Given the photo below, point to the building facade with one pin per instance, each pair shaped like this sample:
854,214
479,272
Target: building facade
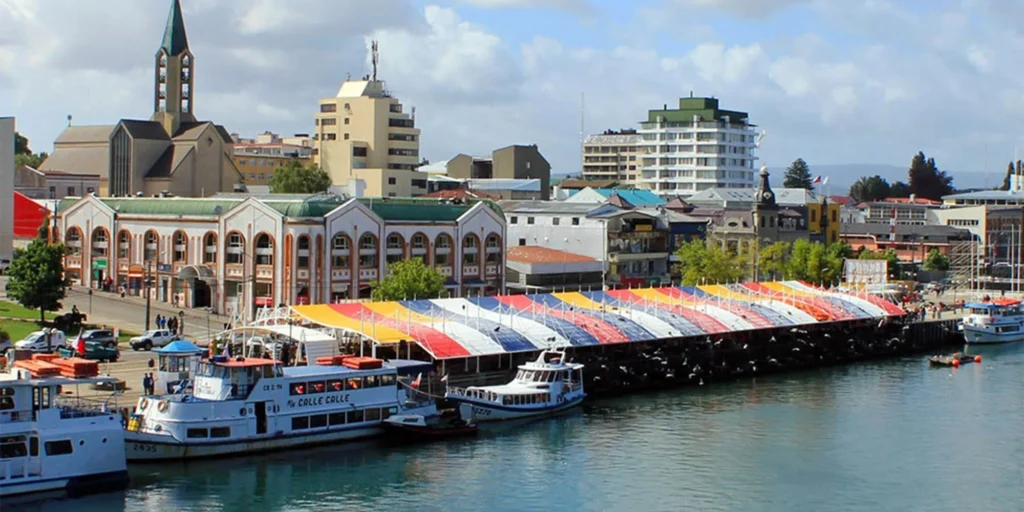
696,147
53,184
6,188
171,152
364,133
238,253
509,164
612,155
258,158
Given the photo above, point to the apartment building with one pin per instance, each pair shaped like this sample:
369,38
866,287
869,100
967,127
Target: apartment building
257,158
612,155
696,147
364,133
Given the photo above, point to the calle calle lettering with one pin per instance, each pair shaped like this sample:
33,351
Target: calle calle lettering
313,401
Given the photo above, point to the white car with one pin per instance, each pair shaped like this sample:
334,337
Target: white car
36,342
150,339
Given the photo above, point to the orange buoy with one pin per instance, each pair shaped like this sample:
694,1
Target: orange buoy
977,359
956,363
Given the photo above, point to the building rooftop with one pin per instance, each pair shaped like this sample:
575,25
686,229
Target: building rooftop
539,254
547,207
906,231
461,193
988,195
723,196
636,197
573,183
616,138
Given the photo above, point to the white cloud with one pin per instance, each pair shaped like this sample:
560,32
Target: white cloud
577,6
742,8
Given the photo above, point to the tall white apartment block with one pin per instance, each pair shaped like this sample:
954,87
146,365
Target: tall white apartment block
696,147
6,188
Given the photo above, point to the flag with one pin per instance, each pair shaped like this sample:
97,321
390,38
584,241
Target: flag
416,383
80,344
445,378
825,181
817,180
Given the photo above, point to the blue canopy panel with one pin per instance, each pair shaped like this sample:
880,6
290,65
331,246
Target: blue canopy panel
576,336
773,315
849,306
510,340
686,327
632,330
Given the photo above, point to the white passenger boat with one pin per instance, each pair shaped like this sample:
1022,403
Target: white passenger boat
545,386
993,321
54,443
244,405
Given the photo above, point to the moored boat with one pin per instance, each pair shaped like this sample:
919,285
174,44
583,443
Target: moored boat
542,387
53,442
955,359
993,321
425,427
245,405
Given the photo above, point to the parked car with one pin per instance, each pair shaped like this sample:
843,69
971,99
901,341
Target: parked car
153,338
94,351
5,265
36,342
104,336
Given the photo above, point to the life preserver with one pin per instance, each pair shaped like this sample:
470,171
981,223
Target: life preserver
143,404
162,406
242,411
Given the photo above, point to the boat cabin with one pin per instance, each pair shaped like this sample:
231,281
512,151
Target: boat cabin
175,363
224,378
995,308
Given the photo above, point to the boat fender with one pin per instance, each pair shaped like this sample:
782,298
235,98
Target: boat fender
143,404
162,406
242,411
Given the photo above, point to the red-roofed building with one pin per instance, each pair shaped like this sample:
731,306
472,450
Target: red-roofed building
536,269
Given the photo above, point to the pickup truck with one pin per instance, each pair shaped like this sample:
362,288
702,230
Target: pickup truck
153,338
94,351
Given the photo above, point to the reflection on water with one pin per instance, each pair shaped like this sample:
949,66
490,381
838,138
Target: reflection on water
894,435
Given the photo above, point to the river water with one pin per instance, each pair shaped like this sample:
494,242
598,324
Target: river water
892,435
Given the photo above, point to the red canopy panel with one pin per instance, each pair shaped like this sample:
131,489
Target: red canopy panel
28,216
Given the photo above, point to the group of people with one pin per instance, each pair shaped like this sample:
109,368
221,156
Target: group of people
168,322
148,384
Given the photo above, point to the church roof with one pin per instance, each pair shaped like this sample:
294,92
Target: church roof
144,130
85,134
92,161
193,130
175,42
169,161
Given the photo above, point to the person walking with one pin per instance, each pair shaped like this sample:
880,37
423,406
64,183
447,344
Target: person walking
147,384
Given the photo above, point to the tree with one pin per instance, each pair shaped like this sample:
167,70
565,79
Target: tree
936,261
892,266
21,144
899,189
707,262
409,279
1006,179
294,178
36,275
798,175
867,189
926,180
772,260
23,155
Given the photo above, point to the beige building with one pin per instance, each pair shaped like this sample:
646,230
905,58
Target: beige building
611,155
171,152
508,164
259,157
364,133
38,184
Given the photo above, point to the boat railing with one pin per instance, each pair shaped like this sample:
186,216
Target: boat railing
457,391
573,386
71,408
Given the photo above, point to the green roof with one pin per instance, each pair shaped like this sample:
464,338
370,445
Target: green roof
705,108
430,210
159,206
175,42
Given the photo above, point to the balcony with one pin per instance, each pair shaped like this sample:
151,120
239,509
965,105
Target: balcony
492,270
264,272
471,270
445,270
74,261
342,274
367,274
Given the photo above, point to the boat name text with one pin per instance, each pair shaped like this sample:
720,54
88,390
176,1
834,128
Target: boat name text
314,401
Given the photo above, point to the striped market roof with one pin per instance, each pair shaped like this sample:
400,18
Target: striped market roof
477,326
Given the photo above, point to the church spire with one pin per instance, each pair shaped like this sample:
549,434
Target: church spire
175,41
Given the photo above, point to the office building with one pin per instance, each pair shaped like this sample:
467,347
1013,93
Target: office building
612,155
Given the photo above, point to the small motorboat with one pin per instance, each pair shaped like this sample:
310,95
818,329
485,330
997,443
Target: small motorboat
955,359
419,427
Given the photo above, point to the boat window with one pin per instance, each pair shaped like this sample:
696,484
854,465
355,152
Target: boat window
354,383
506,400
300,422
297,388
220,432
335,385
33,446
387,380
355,416
316,387
194,433
371,381
336,418
14,446
62,447
386,413
372,414
6,399
317,421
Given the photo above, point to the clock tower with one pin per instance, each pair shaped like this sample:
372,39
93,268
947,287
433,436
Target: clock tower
766,211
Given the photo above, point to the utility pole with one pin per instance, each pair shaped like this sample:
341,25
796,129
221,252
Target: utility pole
149,278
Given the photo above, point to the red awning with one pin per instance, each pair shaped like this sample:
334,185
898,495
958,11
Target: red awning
28,216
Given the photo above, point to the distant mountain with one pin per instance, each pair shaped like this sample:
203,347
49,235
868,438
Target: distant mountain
841,176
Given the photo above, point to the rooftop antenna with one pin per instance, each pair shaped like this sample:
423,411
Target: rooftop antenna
374,58
69,119
583,113
414,113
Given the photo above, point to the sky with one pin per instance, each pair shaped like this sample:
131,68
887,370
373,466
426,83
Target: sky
830,81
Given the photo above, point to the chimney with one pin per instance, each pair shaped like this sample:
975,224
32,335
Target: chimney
913,197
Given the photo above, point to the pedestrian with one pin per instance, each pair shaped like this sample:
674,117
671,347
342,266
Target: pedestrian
156,320
145,384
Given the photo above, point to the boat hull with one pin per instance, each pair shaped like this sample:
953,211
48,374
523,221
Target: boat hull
413,433
70,486
141,447
480,411
975,336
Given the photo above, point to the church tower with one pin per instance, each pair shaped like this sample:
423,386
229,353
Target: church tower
766,210
173,92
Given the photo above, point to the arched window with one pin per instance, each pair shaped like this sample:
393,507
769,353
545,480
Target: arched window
369,256
395,248
419,248
151,246
124,245
443,250
470,250
73,241
302,261
210,248
235,248
99,243
341,251
264,250
180,247
493,248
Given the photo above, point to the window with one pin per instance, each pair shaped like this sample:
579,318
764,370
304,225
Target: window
71,191
236,244
442,250
14,446
392,181
419,183
62,447
575,221
90,190
303,253
360,151
522,242
74,241
337,418
297,388
355,416
150,249
124,245
372,415
6,402
529,220
345,137
53,192
834,214
395,241
98,245
513,220
388,380
371,381
318,421
419,241
264,250
210,249
329,107
300,422
194,433
220,432
368,256
328,121
180,246
340,247
354,383
555,221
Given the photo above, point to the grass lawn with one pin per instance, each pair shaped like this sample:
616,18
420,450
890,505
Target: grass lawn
17,330
12,310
